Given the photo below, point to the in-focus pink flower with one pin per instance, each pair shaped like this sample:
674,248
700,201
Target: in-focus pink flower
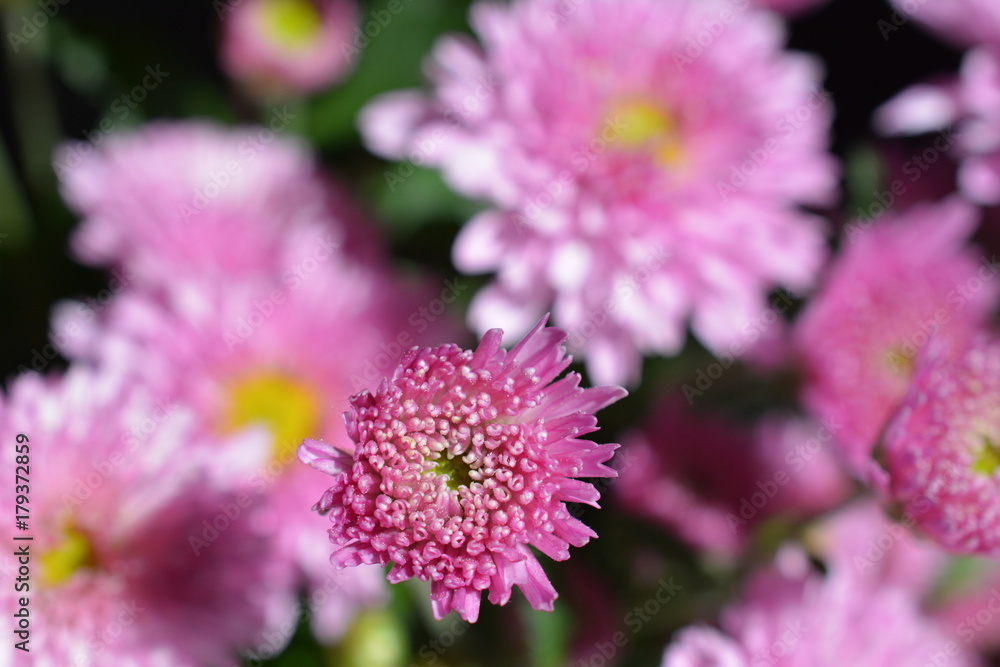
462,461
967,106
177,203
638,178
711,481
791,617
898,283
288,47
941,449
137,557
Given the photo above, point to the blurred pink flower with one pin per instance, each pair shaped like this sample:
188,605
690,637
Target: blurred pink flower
288,47
969,101
462,461
639,178
277,357
791,617
136,557
897,283
712,481
181,203
963,22
941,448
861,540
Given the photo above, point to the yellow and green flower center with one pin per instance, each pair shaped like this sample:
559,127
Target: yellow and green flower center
291,23
987,458
289,407
900,361
456,469
71,554
640,124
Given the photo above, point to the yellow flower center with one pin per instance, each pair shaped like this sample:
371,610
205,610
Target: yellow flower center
291,23
61,562
642,125
900,361
456,469
289,407
987,459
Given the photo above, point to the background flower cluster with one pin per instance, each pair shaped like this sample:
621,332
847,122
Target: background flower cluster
773,222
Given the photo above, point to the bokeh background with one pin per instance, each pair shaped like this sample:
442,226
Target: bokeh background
62,82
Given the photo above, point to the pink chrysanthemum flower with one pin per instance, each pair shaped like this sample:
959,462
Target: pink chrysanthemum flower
941,449
462,461
282,47
672,474
639,180
119,497
898,283
791,617
970,101
181,202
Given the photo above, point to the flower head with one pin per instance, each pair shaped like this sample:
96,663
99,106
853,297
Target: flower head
965,105
792,617
897,284
942,450
177,202
639,180
141,556
281,47
462,461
